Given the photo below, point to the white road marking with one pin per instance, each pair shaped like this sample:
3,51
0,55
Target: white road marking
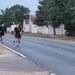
52,74
14,51
20,54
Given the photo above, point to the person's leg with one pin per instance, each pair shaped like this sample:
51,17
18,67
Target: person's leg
2,38
19,37
17,40
13,36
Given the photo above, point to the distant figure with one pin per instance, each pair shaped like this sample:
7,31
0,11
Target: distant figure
12,30
2,32
17,32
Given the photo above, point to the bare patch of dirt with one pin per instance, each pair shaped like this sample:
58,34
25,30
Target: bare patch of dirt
55,37
5,51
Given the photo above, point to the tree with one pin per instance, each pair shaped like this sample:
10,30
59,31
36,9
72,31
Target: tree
57,12
50,12
41,14
1,19
15,13
21,12
8,16
70,18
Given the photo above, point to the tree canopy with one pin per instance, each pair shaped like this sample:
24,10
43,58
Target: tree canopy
15,13
56,12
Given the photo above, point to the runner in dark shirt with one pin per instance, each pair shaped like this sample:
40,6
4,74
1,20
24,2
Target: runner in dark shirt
17,32
2,32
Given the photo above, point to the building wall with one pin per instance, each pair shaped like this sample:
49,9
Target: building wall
42,29
26,28
8,29
45,30
34,28
49,30
30,27
60,30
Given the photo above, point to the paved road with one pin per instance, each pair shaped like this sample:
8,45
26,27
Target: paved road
55,56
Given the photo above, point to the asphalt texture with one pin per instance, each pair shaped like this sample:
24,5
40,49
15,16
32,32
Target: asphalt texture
14,64
18,64
55,56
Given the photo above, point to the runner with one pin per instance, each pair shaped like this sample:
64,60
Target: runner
12,30
17,32
2,32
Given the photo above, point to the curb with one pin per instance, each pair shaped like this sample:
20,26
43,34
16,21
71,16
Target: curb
50,73
14,51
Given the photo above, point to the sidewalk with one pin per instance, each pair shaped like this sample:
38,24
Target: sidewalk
13,64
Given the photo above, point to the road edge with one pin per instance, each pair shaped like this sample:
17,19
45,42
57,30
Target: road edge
50,72
14,51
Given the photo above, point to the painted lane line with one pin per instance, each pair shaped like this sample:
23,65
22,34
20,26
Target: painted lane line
52,74
20,55
14,51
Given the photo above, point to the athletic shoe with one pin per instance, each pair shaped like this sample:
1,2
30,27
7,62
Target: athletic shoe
19,41
17,45
2,42
13,41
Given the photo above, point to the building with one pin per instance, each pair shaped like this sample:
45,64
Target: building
29,26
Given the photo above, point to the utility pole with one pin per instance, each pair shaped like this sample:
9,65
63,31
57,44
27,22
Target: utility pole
30,27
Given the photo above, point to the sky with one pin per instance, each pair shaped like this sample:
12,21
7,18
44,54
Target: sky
31,4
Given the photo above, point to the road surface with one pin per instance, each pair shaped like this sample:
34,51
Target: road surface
55,56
